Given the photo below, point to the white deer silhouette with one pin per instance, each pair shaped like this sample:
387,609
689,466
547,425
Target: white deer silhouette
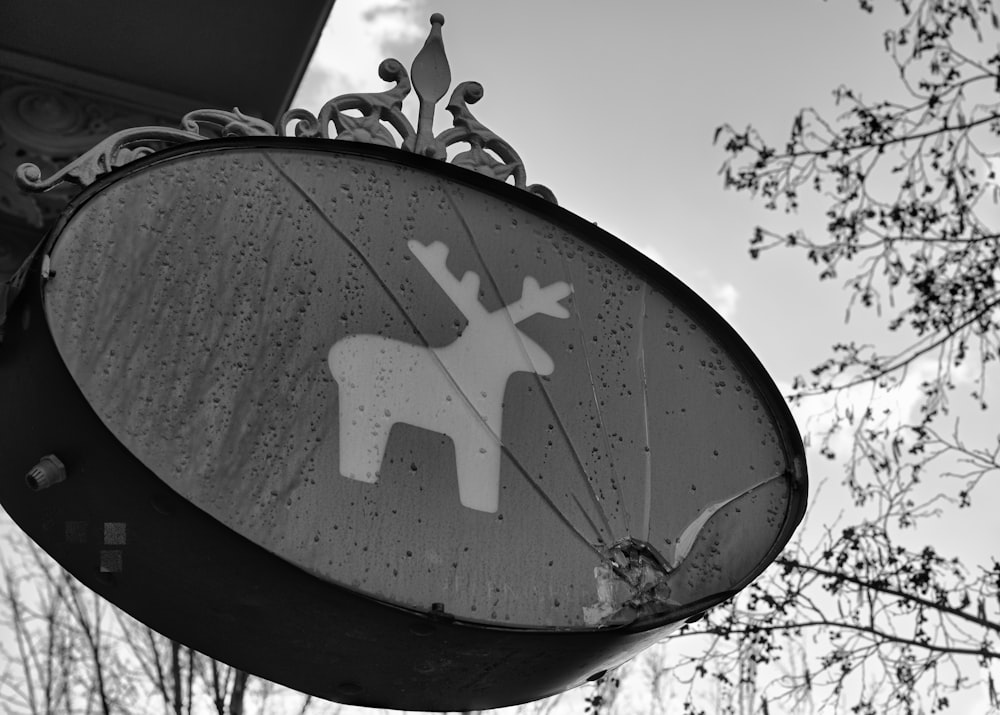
456,389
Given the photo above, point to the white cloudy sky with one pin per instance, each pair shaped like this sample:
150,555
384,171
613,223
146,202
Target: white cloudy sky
613,106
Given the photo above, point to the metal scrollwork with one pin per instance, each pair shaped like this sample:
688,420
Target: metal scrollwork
128,145
117,150
488,153
375,109
225,124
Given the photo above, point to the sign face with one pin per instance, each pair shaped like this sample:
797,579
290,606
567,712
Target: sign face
423,391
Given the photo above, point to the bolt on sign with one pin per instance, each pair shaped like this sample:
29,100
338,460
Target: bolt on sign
375,424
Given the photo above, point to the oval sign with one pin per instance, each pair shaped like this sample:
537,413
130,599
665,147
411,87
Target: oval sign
423,385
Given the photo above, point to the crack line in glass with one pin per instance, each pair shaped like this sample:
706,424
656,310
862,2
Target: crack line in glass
648,475
538,379
597,406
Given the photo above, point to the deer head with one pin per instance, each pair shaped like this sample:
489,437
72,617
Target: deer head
464,293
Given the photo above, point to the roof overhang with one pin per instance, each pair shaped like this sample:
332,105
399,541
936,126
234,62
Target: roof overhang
168,57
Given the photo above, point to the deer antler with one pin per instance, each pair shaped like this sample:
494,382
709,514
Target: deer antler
540,300
463,293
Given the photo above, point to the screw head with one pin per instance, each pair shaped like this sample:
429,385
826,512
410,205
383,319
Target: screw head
49,471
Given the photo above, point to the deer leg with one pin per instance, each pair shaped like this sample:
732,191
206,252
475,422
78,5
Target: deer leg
477,461
364,434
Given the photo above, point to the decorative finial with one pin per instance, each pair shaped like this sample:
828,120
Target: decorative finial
487,154
431,79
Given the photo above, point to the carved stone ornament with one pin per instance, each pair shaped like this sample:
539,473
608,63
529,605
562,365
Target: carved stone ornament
49,126
488,154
